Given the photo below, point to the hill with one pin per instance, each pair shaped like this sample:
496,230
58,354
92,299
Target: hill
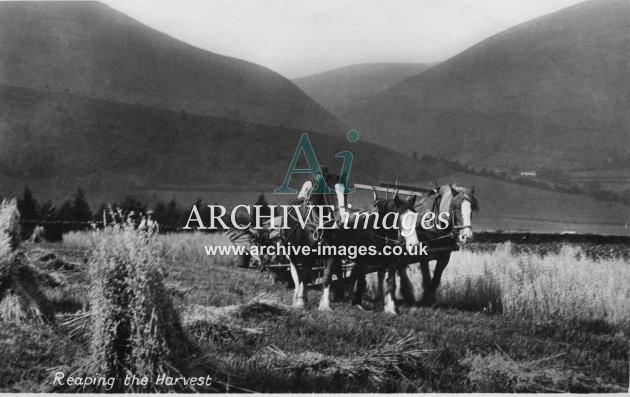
339,86
54,142
551,92
90,49
513,207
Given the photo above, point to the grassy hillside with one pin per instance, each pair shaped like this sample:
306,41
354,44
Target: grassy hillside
550,92
93,50
609,179
337,87
55,142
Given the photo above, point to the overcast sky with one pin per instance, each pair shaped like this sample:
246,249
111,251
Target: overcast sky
297,38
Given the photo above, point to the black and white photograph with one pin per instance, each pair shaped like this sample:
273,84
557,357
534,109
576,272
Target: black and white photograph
325,196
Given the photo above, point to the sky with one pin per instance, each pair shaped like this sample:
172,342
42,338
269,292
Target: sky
297,38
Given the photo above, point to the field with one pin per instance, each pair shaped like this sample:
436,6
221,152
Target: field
509,320
608,179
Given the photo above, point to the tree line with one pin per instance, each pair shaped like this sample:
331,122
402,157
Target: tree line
75,214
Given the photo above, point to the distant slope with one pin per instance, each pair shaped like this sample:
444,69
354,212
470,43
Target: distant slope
93,50
553,91
342,85
54,142
616,180
512,207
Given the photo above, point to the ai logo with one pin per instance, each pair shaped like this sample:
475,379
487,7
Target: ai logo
305,146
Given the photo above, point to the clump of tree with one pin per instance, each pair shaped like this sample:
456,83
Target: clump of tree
34,213
28,207
76,209
169,216
75,214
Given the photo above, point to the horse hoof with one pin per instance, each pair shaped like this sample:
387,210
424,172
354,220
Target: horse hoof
427,301
391,311
299,304
323,308
359,306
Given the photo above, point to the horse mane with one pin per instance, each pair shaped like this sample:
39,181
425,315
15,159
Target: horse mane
427,203
376,205
297,201
444,194
468,194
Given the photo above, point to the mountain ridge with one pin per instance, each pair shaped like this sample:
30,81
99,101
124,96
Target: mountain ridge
94,50
54,142
555,86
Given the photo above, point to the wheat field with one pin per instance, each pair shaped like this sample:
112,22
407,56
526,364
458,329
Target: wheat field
566,285
506,321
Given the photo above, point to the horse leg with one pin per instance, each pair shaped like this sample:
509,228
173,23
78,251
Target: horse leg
339,291
428,295
305,277
380,286
352,279
357,297
390,304
442,261
324,303
296,281
406,286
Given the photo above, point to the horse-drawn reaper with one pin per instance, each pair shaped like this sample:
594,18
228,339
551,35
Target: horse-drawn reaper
329,246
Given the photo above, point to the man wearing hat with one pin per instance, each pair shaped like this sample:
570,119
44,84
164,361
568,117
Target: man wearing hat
130,220
148,224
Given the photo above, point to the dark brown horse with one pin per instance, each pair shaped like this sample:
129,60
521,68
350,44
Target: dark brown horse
459,202
384,239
